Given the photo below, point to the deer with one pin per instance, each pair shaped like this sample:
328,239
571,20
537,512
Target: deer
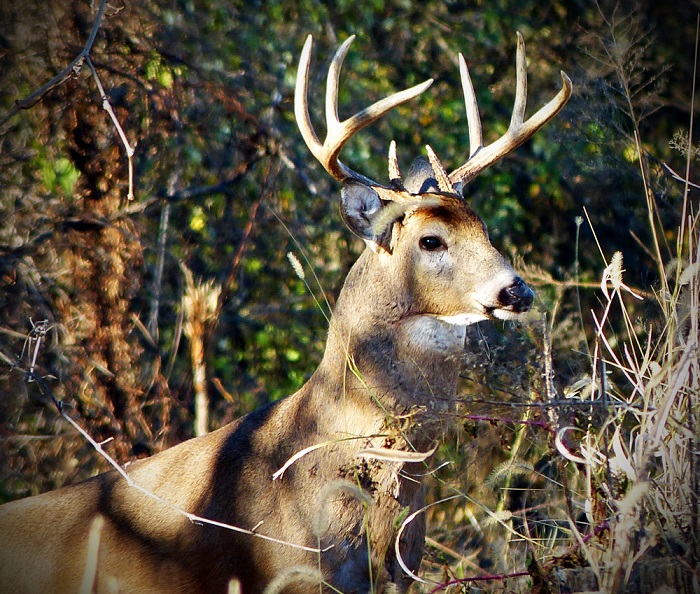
314,490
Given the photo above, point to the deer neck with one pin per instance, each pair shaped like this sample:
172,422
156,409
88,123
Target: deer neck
385,358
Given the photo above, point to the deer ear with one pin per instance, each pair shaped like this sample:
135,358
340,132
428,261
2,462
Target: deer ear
359,206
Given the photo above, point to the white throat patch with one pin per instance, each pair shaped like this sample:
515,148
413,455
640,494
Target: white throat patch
433,333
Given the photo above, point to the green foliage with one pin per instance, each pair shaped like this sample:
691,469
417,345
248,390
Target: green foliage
60,174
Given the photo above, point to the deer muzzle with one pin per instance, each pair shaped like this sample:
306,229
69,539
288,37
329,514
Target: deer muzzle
516,298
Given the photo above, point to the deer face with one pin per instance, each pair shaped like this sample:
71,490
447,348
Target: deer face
454,272
436,256
422,225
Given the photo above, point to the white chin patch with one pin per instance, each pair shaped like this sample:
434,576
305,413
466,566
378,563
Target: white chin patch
463,319
503,314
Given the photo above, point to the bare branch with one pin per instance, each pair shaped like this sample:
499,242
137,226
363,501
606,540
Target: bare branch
108,108
68,72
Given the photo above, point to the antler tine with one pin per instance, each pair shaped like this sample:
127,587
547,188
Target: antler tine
301,100
473,118
394,171
337,132
518,131
443,180
520,103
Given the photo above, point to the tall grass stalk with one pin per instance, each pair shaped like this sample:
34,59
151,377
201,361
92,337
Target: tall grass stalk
652,499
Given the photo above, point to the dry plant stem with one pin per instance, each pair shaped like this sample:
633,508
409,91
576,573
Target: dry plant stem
301,453
514,454
684,180
548,370
675,388
652,212
405,523
617,62
694,401
199,379
469,561
327,310
176,343
684,212
158,275
90,575
201,304
108,108
69,71
604,433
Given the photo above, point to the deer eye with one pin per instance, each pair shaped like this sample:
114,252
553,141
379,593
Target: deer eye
430,243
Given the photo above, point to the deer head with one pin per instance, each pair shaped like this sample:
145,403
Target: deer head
434,246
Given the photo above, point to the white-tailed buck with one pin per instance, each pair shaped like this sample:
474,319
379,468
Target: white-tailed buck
348,442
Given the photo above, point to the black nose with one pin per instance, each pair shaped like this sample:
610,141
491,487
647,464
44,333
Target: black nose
518,297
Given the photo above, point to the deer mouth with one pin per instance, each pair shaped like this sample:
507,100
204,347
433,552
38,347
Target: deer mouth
488,313
498,313
517,303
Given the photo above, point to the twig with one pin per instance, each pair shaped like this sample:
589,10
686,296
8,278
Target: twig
480,578
68,72
527,422
108,108
228,286
34,340
73,69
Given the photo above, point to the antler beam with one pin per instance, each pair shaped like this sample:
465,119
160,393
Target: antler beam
337,132
481,157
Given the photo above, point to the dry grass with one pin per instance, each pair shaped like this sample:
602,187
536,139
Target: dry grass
593,485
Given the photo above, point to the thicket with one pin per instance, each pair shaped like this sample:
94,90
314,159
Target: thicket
587,412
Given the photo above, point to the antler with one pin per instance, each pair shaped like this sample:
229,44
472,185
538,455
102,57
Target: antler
481,157
337,132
